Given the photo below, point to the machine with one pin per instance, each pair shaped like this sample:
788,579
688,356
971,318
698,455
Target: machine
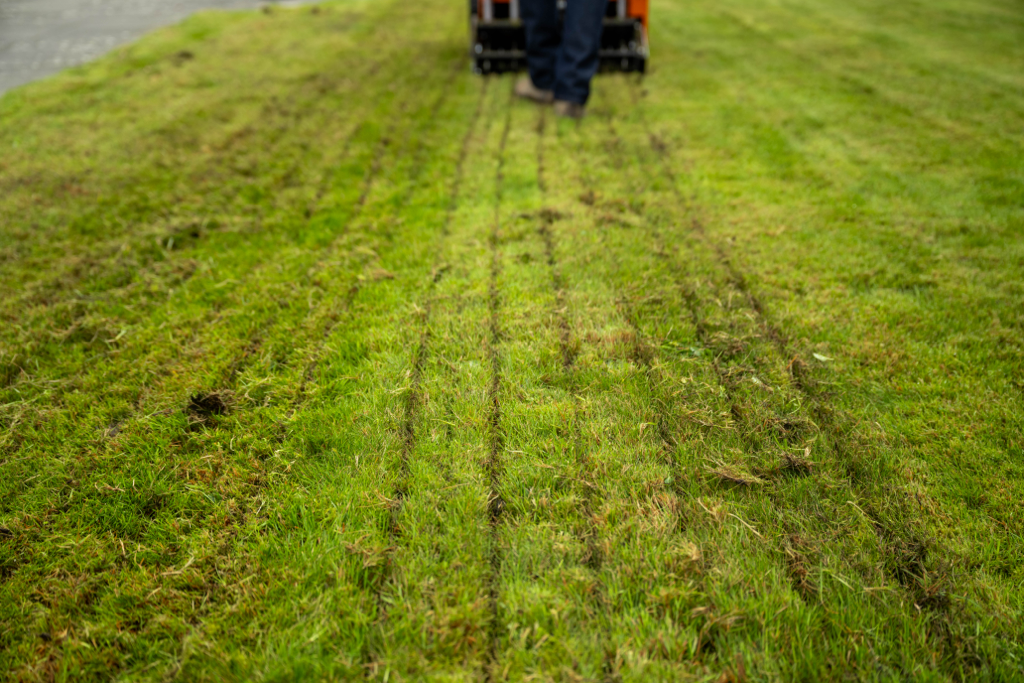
499,40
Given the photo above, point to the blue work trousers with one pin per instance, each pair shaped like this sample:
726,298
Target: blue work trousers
563,59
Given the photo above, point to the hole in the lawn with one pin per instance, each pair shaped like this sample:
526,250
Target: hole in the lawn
204,406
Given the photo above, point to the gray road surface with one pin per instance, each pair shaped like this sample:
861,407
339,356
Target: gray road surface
41,37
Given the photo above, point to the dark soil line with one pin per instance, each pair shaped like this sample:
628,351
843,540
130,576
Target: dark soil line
542,116
411,412
565,347
495,434
588,492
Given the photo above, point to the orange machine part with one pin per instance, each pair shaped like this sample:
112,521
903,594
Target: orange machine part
637,8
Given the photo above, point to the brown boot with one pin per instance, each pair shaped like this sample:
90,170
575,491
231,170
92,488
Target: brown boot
569,110
528,91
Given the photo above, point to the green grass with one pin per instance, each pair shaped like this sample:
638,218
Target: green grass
322,358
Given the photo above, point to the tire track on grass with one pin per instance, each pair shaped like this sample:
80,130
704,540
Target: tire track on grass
904,541
792,554
796,368
669,433
495,435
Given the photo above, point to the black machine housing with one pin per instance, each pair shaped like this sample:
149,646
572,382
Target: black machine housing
498,45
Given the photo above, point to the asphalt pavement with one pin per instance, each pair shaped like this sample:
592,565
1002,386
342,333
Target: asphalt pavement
41,37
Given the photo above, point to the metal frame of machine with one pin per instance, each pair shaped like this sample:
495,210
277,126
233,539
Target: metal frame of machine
498,40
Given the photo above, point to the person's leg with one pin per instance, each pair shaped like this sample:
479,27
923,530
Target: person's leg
540,19
577,56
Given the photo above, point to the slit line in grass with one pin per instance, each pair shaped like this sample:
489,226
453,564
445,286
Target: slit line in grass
414,396
495,435
903,541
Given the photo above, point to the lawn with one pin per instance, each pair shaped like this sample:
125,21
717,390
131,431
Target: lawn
322,358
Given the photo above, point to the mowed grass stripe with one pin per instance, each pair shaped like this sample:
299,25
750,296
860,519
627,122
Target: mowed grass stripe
436,604
568,348
414,400
351,465
495,463
536,423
